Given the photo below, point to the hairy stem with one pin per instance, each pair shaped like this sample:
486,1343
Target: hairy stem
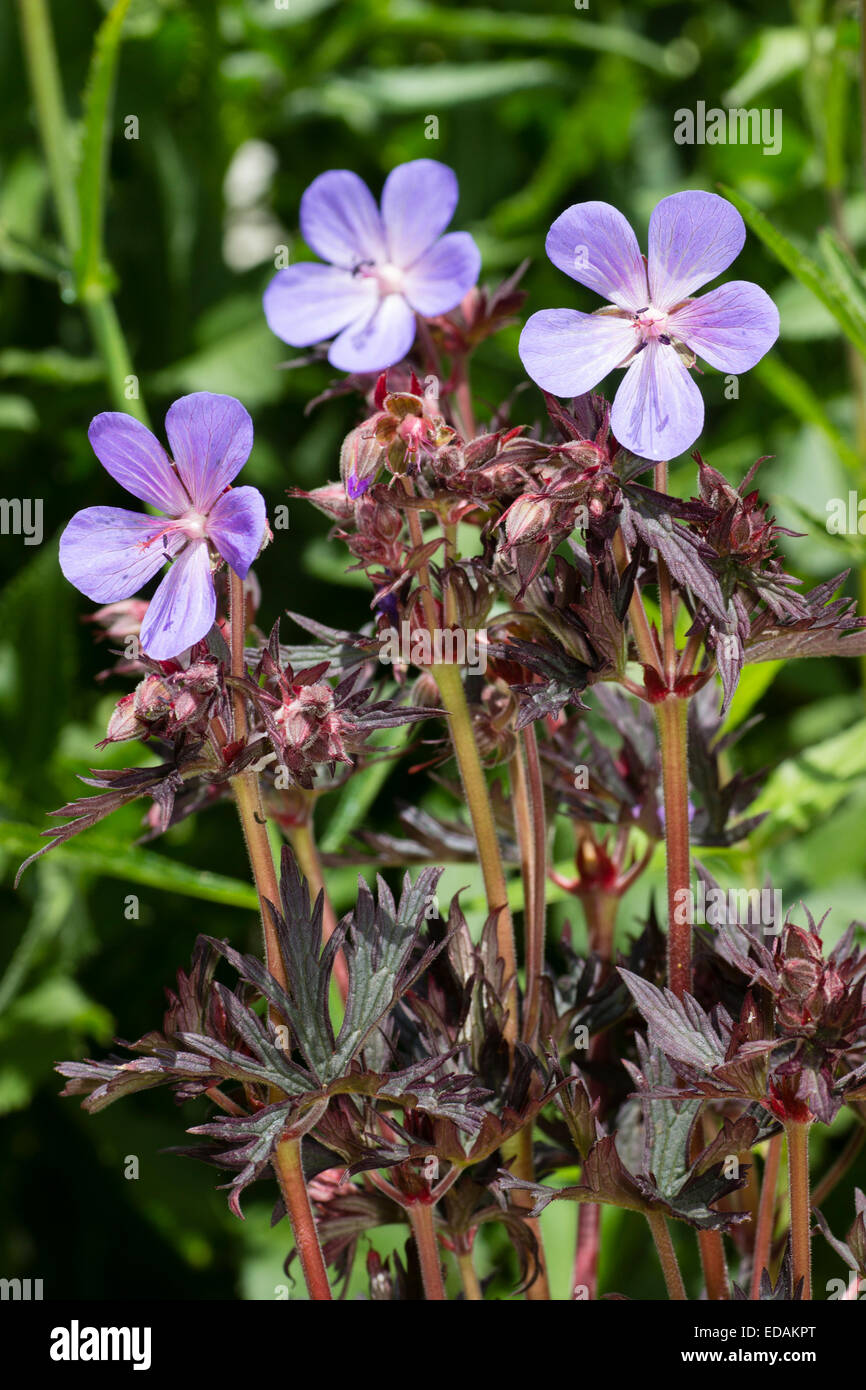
287,1161
672,720
714,1265
290,1175
421,1220
667,1256
523,827
449,681
766,1214
587,1249
600,910
798,1188
247,793
641,630
535,918
666,598
472,1291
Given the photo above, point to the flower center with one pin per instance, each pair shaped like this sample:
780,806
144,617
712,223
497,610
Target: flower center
389,278
193,525
651,323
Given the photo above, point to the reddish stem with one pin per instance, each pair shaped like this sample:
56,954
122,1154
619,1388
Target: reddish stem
672,719
798,1189
766,1214
424,1231
290,1174
535,920
587,1250
287,1156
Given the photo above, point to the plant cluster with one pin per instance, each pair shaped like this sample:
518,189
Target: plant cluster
554,632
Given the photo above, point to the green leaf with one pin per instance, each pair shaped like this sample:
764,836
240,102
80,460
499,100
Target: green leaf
98,96
804,268
114,859
805,789
530,30
797,396
18,413
53,365
780,52
846,273
369,95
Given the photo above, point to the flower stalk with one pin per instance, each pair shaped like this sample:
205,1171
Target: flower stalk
421,1220
667,1256
288,1164
290,1175
766,1214
448,679
797,1134
672,721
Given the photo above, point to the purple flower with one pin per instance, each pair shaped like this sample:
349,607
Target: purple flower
383,267
109,553
652,325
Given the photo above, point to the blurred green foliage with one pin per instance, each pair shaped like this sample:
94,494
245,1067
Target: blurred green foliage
224,112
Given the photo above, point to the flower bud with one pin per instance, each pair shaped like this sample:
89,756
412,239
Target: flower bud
124,723
361,457
472,591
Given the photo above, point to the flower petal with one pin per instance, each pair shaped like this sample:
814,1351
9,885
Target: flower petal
211,438
693,237
595,245
418,202
376,341
236,526
109,553
567,352
309,302
340,220
658,410
182,610
443,275
136,459
731,327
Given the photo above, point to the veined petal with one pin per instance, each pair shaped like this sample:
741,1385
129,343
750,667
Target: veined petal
693,237
236,525
567,352
376,341
182,610
340,220
731,327
109,553
443,275
136,459
309,302
418,202
658,410
211,438
595,245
